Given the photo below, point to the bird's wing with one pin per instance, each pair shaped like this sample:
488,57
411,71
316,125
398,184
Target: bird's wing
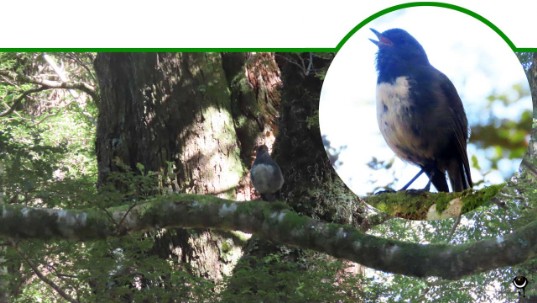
460,124
433,93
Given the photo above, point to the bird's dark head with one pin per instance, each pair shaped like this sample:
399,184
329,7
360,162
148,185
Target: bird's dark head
262,154
398,50
262,149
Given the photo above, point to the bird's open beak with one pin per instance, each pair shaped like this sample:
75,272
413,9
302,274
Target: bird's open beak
383,41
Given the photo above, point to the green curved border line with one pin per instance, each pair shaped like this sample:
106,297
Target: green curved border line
311,49
437,4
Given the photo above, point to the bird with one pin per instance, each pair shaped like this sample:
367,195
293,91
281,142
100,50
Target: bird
266,174
420,113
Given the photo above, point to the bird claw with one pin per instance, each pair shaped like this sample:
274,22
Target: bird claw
416,192
385,191
412,191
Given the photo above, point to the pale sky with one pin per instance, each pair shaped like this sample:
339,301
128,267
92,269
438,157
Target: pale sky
473,56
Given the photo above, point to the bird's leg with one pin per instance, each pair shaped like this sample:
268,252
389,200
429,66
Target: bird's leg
428,186
414,179
417,191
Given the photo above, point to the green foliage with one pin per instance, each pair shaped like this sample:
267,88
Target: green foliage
128,186
45,164
18,62
274,278
499,135
46,148
321,72
47,159
127,269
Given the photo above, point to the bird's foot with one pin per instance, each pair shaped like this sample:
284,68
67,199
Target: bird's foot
416,192
384,191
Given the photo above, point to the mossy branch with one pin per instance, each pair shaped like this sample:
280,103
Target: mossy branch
277,223
431,206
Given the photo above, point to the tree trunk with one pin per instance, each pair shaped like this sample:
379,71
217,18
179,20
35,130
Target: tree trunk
195,119
311,184
171,113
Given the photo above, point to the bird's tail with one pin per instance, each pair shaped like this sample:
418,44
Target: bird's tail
439,179
459,174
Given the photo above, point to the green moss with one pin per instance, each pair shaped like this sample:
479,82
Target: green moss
292,222
279,205
474,200
241,236
415,205
405,205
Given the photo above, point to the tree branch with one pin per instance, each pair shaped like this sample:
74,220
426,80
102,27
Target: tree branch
275,222
17,101
43,278
414,206
48,84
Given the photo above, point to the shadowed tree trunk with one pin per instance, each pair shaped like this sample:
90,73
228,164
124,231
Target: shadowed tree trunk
195,119
162,108
311,185
171,114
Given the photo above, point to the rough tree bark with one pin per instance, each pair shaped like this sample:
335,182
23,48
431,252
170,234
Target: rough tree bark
197,118
171,113
312,182
193,117
312,186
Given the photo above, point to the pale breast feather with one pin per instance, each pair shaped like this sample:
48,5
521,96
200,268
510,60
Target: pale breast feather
261,176
395,115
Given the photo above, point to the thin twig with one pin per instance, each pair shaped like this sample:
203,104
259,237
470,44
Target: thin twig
83,64
125,216
43,278
300,65
88,89
17,101
310,65
452,232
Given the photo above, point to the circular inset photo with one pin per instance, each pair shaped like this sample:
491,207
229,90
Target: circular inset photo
425,98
